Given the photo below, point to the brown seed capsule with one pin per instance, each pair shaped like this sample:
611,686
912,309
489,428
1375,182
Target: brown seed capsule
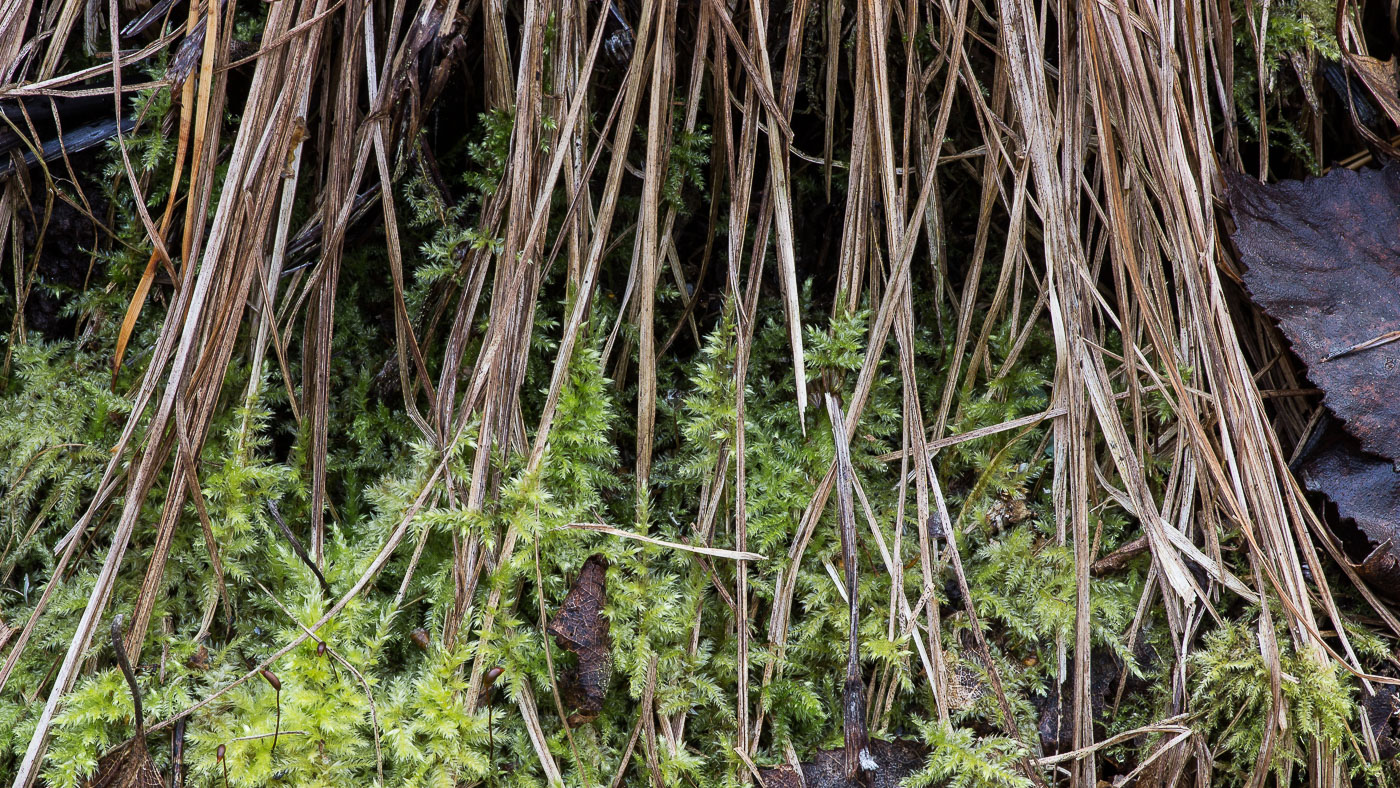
276,683
420,638
219,753
321,649
484,696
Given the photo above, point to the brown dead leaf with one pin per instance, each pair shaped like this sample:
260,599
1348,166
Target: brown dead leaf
581,628
199,660
965,684
1366,490
1008,509
894,760
1382,710
1323,259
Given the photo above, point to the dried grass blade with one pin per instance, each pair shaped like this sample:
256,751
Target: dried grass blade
713,552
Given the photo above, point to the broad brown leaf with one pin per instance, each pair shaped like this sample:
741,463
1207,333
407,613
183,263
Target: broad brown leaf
1382,710
1323,259
1366,490
581,628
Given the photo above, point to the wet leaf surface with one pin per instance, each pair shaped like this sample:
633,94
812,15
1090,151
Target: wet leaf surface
581,628
1323,259
1055,722
1366,490
895,759
1382,710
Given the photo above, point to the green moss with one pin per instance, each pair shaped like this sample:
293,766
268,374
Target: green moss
1231,688
393,700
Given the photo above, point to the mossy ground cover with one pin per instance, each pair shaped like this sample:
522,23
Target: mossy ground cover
925,293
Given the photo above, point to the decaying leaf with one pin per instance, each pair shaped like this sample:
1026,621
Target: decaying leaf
1323,259
130,765
1366,490
1006,510
1382,709
199,660
581,628
1107,671
965,684
891,761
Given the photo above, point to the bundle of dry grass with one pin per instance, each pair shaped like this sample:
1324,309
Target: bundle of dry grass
971,175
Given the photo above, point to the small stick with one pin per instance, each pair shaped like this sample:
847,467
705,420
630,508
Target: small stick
257,736
715,552
177,754
1119,559
1383,339
853,698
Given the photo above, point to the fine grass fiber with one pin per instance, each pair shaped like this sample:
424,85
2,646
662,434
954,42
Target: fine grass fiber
365,326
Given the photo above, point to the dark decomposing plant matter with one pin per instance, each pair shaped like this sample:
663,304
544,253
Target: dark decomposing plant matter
580,627
1366,491
1318,253
699,393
